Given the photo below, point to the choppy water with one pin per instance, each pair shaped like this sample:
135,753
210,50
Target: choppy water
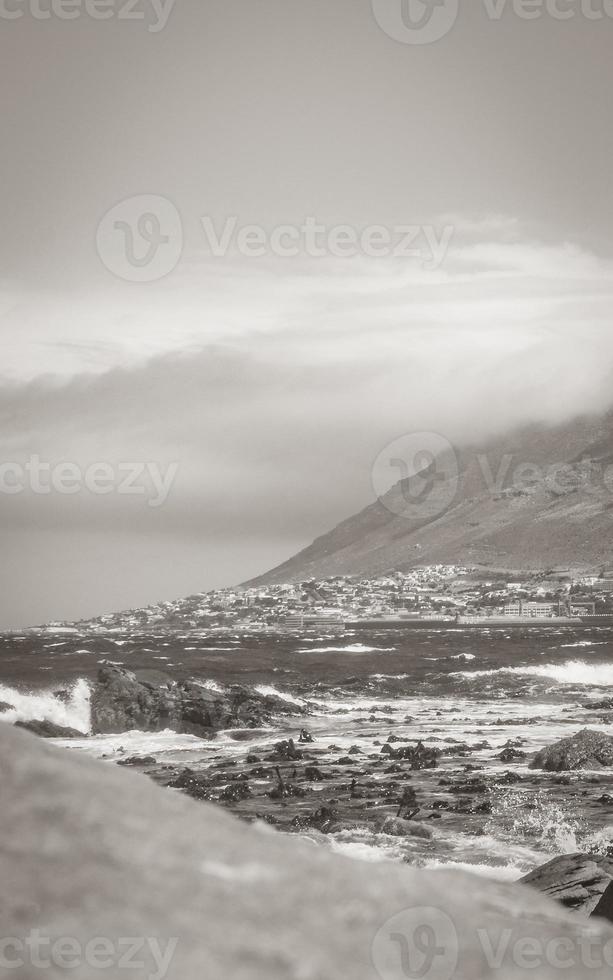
442,686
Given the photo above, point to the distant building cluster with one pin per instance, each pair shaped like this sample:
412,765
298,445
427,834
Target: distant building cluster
430,592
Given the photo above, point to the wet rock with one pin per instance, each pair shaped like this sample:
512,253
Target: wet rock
122,701
586,750
253,759
509,778
138,760
511,755
305,737
313,774
285,751
582,882
606,704
322,819
47,729
397,827
235,793
6,707
196,785
470,786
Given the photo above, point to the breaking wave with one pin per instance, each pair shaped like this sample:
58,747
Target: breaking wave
572,672
352,648
267,690
71,711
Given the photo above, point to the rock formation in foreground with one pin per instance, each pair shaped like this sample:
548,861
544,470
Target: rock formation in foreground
48,729
151,702
586,750
582,882
120,869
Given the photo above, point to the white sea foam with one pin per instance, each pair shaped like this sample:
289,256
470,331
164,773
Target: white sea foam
390,677
209,685
159,744
583,643
508,872
267,690
352,648
44,706
571,672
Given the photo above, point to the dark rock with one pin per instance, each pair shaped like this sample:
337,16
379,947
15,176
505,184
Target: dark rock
151,701
138,760
322,819
511,755
282,792
6,707
305,737
46,729
582,882
285,752
509,778
196,785
253,759
586,750
235,793
313,774
470,786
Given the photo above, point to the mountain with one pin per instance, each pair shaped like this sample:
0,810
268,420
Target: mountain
540,497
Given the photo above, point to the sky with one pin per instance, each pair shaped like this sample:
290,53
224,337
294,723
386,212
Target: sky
247,245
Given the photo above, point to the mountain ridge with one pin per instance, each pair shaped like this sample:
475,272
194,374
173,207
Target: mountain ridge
537,497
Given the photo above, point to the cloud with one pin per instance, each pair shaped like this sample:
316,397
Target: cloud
275,391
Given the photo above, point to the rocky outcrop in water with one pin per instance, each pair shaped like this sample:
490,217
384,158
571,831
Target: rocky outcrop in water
226,900
582,882
149,701
586,750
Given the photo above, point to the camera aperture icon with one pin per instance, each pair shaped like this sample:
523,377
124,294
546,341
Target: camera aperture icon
416,21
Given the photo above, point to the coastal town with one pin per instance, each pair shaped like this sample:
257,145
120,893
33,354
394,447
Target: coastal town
447,593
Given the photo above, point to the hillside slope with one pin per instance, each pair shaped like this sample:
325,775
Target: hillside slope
540,497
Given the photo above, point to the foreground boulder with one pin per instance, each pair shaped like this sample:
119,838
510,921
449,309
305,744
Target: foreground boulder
47,729
202,895
582,882
586,750
150,701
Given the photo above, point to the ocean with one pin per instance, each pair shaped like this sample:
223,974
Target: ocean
470,694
